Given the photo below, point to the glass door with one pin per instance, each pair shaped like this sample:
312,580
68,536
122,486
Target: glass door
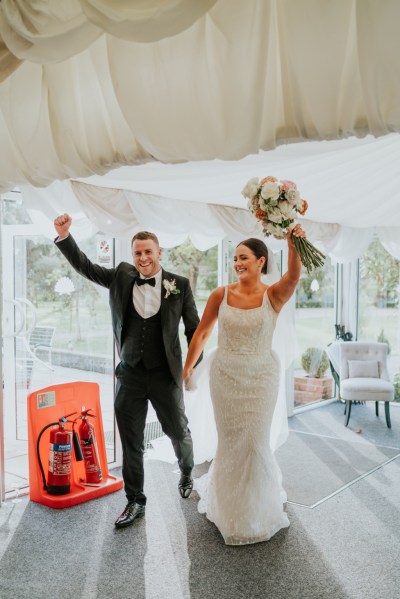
315,316
57,329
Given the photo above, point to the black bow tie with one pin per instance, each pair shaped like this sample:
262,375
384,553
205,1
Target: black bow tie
151,281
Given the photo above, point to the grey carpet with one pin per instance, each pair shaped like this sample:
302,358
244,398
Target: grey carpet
345,548
173,553
364,426
313,467
176,553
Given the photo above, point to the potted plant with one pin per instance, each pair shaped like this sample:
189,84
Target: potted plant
314,386
315,362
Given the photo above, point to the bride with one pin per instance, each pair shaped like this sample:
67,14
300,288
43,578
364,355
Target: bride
243,494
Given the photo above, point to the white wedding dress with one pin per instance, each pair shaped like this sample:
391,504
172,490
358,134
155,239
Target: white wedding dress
242,491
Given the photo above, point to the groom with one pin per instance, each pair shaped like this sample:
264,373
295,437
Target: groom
146,304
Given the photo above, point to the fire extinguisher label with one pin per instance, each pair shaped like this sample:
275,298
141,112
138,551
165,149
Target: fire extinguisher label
60,458
61,446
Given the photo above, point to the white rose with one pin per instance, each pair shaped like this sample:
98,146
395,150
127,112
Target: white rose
299,203
270,191
275,215
275,230
293,196
286,209
267,204
253,204
270,229
251,188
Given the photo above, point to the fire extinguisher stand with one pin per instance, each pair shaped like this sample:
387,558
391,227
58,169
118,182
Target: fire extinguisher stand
48,405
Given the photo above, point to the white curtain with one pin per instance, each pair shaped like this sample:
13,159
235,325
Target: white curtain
51,31
121,213
102,83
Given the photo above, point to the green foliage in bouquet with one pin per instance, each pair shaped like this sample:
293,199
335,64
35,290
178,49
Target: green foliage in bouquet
315,362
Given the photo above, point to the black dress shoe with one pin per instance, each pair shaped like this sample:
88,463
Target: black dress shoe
185,485
132,511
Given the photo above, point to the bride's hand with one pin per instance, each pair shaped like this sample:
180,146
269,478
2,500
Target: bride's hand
187,373
296,232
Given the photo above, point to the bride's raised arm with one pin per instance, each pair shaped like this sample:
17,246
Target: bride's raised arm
203,331
282,291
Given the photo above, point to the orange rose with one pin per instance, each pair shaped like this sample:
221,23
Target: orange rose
303,208
260,214
268,179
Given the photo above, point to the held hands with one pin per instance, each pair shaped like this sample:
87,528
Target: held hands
62,224
187,373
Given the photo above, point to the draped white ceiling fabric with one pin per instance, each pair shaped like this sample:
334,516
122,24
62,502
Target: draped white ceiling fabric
89,85
352,187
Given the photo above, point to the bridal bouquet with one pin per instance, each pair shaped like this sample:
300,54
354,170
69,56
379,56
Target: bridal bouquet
276,203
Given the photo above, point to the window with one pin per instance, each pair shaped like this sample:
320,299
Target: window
58,329
378,309
201,268
314,321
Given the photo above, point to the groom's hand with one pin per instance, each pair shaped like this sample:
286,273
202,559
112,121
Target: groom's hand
62,224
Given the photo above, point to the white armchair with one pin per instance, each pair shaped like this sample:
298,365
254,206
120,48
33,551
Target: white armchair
364,376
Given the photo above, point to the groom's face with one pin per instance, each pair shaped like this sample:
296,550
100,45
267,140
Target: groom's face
146,256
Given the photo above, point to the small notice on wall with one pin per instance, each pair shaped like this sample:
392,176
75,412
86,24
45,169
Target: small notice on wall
46,400
104,252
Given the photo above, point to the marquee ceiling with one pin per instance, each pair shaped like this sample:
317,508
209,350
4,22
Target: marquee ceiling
91,85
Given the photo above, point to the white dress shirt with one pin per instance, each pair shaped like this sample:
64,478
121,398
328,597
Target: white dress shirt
147,299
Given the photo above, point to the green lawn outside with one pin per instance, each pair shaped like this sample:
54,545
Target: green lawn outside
92,336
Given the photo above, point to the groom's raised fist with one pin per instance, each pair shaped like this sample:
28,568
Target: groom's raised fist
62,224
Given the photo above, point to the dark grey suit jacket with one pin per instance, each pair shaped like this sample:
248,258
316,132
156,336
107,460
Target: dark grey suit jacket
120,282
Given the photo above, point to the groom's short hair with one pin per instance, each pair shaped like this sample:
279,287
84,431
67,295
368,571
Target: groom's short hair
142,235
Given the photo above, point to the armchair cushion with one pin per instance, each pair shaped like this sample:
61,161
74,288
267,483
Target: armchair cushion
366,389
363,368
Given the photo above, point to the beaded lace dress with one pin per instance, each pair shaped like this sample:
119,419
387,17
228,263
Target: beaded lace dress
242,492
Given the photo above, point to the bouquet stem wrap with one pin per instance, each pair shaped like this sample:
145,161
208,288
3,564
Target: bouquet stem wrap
275,204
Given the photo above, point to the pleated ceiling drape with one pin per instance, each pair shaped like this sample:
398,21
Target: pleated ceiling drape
88,85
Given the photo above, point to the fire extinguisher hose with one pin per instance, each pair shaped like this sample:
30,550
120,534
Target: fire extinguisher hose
38,452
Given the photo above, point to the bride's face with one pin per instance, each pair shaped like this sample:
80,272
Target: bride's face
245,263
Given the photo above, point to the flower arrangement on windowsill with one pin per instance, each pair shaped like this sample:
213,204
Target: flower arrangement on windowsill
276,204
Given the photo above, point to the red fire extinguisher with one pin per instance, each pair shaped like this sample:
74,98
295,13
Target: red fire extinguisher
60,454
89,448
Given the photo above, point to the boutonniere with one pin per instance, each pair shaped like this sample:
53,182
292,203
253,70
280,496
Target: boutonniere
170,287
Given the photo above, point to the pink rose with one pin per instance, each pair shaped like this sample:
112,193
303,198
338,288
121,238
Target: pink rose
286,185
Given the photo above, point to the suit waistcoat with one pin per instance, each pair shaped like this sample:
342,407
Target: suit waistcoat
143,340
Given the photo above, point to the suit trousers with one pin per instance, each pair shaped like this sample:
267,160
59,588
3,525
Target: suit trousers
135,388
